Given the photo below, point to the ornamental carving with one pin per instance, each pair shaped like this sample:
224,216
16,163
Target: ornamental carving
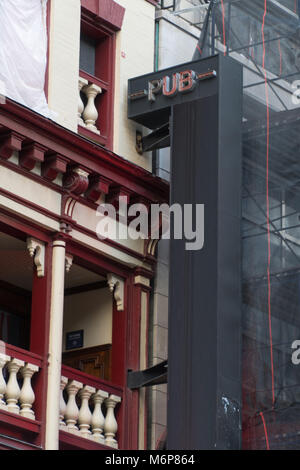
76,181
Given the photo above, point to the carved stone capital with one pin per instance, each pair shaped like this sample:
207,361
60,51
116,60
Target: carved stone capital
69,262
116,286
37,251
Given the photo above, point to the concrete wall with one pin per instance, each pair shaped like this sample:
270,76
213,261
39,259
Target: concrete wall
64,61
134,56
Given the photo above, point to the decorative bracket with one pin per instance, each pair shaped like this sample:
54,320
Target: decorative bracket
115,194
54,164
9,143
76,181
98,186
37,251
116,285
69,262
31,154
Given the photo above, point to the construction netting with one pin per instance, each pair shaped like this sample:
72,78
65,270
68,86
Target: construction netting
264,35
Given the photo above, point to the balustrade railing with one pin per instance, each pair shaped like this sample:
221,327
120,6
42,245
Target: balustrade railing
87,110
17,368
88,407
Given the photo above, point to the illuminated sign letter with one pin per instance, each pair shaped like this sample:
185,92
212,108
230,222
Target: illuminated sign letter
167,90
187,81
154,87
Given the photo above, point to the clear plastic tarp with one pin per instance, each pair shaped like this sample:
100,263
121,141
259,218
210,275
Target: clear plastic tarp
264,35
23,52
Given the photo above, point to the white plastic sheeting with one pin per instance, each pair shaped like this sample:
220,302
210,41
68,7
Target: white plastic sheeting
23,52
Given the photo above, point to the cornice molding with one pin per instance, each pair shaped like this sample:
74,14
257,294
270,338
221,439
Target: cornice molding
19,124
107,11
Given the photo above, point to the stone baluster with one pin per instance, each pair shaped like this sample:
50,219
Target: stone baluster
111,425
27,396
98,418
90,114
72,411
3,361
85,415
62,404
81,83
12,393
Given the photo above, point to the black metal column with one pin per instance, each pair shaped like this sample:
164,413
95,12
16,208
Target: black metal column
204,375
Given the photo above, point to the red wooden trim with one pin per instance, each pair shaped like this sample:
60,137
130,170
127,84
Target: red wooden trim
32,176
111,91
99,139
14,222
14,420
40,308
97,81
104,74
112,243
39,339
11,230
82,152
106,101
11,288
30,204
11,443
86,379
86,288
76,226
107,11
125,356
119,364
40,314
79,228
94,261
70,441
147,291
23,355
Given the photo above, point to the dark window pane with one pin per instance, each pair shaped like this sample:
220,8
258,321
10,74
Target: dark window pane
87,54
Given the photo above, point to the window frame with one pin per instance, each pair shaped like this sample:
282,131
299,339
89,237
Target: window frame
100,20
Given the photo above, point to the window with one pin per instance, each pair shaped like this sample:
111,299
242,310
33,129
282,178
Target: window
97,59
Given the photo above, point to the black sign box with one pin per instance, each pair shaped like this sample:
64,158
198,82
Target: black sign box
205,308
151,96
74,340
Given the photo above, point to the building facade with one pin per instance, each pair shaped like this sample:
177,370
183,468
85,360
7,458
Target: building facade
79,311
74,314
262,36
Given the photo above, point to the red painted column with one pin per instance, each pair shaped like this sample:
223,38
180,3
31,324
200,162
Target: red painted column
126,356
142,296
39,337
